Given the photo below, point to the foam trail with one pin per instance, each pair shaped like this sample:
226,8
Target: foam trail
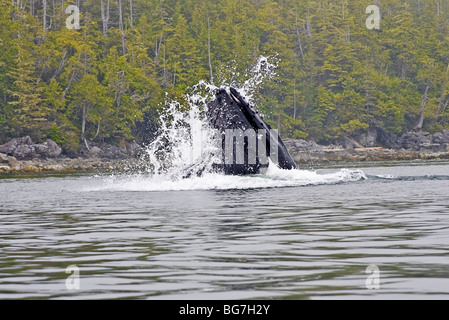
274,178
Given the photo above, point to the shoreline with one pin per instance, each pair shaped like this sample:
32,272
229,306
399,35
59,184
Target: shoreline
325,156
67,165
359,155
21,155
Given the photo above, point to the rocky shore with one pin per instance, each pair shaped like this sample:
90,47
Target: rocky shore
316,154
373,146
22,155
10,164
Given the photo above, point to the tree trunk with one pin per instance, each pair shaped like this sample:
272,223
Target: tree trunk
120,87
443,92
62,12
72,78
174,78
164,77
98,131
279,125
54,15
131,14
156,54
294,102
69,84
208,48
418,127
105,16
61,65
441,102
445,105
83,125
308,27
298,35
403,71
120,11
44,18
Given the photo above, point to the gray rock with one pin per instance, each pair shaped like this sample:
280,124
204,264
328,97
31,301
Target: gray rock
416,140
4,158
369,138
12,145
301,144
133,149
4,168
49,149
54,149
13,163
24,149
41,149
110,151
25,152
55,167
388,140
441,137
348,144
95,151
9,147
25,140
113,152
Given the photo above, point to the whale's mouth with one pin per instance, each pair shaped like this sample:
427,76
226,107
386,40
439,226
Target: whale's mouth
247,140
215,129
237,97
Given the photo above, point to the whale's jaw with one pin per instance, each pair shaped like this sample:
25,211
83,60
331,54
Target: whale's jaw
248,143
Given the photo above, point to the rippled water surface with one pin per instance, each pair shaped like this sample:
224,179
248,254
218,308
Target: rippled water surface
294,235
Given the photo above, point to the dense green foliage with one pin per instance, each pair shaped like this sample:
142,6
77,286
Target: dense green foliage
335,77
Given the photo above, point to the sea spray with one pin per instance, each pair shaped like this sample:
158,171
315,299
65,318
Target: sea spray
274,178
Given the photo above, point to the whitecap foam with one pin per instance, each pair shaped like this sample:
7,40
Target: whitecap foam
274,178
385,176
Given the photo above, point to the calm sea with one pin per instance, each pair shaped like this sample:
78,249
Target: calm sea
367,231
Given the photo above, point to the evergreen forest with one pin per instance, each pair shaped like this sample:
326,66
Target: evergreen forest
106,79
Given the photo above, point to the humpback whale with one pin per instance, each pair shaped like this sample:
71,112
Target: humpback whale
246,141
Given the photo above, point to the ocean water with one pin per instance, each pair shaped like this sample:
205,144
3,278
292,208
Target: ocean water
368,231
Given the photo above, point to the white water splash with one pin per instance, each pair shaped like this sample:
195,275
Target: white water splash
252,79
186,137
274,178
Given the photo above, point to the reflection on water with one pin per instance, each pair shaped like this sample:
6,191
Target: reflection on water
289,239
